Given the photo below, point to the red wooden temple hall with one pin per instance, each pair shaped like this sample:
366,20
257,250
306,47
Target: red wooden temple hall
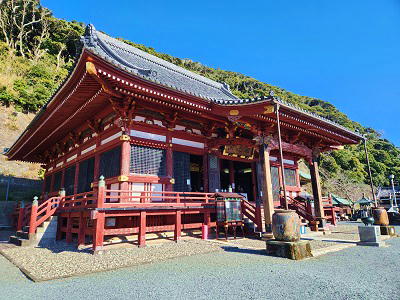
168,136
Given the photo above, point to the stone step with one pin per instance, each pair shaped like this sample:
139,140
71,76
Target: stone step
22,234
19,241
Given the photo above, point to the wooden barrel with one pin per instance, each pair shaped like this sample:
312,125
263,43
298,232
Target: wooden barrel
381,216
286,225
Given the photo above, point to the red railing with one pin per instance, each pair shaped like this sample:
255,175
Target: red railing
40,213
329,209
302,208
251,212
78,201
113,198
36,214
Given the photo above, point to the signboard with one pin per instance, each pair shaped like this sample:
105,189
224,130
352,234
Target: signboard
242,151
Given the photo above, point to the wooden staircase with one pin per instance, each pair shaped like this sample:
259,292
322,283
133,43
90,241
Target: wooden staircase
36,223
254,219
46,232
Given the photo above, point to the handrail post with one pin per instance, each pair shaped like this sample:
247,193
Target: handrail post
101,193
21,214
32,221
61,194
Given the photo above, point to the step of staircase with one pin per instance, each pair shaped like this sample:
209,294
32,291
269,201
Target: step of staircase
22,237
18,241
22,234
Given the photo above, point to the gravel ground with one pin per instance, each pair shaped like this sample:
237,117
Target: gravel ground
64,260
346,232
348,274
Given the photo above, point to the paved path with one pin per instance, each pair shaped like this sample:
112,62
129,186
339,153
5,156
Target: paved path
354,273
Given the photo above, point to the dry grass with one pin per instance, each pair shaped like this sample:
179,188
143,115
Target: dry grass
12,124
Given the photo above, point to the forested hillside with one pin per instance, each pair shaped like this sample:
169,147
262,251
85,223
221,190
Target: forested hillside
37,51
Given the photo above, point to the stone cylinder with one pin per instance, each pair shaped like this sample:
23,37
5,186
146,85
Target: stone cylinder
381,216
286,225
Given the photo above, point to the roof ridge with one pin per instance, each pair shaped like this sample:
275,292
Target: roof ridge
93,37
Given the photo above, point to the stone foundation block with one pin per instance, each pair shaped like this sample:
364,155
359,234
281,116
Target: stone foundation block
370,236
292,250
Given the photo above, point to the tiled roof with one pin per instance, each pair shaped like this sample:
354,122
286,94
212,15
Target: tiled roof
153,68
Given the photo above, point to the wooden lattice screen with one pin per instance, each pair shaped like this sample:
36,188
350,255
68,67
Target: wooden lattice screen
181,171
213,173
69,180
275,183
148,161
86,175
110,163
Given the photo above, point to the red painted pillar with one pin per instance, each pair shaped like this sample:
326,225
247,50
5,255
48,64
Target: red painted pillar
142,229
206,226
125,163
96,168
98,236
69,229
33,217
169,161
178,225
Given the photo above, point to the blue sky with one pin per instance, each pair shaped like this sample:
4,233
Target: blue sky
345,52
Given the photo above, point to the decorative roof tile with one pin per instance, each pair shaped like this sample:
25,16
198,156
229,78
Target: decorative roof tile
151,67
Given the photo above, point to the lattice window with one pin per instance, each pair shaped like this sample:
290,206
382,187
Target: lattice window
57,181
181,171
69,180
86,175
290,177
275,183
148,161
110,163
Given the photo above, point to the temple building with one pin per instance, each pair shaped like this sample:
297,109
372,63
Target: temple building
165,140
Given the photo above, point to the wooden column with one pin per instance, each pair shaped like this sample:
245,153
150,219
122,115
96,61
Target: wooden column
169,161
98,236
69,229
142,229
268,198
232,175
99,221
96,168
316,187
178,225
285,202
125,163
